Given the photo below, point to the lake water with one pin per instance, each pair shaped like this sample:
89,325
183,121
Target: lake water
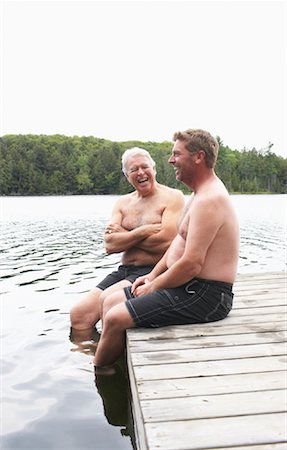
51,253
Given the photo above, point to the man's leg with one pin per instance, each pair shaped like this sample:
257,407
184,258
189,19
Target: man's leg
85,314
115,322
105,305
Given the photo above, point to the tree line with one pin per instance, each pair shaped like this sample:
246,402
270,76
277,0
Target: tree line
57,164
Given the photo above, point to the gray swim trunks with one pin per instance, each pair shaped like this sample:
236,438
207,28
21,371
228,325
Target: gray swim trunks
124,272
197,301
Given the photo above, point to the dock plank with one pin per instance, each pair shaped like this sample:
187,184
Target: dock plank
210,368
217,385
209,353
220,432
202,331
207,406
199,386
155,345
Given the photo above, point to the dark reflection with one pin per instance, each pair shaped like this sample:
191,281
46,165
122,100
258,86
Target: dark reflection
111,382
113,386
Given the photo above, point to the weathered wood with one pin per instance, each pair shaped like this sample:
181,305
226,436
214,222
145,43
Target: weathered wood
217,385
206,406
257,311
219,432
262,302
186,331
155,345
209,354
256,278
210,368
280,446
246,323
199,386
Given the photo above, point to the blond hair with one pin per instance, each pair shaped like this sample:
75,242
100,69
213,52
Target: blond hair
196,140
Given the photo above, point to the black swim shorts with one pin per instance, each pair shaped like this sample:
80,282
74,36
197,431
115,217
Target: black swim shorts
197,301
130,273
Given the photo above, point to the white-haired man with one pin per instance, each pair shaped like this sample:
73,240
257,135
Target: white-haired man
142,226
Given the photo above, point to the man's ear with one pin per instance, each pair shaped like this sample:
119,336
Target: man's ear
200,156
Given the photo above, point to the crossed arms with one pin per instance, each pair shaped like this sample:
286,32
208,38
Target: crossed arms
147,237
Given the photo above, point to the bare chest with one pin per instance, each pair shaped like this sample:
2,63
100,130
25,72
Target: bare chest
137,214
183,226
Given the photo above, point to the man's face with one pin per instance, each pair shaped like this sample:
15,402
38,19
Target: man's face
183,162
140,173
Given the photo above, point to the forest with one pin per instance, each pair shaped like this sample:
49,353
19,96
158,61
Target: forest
61,165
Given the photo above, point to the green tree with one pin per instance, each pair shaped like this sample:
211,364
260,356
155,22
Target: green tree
57,164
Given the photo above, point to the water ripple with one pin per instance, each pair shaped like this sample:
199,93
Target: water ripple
46,265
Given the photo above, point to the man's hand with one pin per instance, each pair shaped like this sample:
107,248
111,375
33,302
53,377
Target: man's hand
144,289
114,228
146,230
142,285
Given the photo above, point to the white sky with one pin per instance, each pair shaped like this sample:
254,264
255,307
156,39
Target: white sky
124,70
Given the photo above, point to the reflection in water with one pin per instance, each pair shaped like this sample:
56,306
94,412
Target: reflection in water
113,387
111,382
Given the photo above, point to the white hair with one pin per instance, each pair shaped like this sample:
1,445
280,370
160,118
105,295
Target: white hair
135,151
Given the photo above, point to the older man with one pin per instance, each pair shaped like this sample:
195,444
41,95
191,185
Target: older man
192,283
142,225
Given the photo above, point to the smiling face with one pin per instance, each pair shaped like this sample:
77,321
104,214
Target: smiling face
184,162
140,173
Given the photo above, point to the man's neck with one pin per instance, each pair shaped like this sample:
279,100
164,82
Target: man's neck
148,193
202,178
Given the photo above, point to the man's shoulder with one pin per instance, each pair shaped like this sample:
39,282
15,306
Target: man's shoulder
214,198
125,198
170,191
172,198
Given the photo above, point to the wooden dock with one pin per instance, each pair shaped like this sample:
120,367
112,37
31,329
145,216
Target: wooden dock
215,386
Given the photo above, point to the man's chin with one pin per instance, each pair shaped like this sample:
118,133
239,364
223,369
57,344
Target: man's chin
144,185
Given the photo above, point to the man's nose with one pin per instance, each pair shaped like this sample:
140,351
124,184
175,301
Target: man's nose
171,159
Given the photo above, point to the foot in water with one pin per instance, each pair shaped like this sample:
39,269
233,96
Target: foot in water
86,341
119,366
105,370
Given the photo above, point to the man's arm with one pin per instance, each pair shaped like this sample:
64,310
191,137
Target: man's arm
159,242
118,239
139,285
203,226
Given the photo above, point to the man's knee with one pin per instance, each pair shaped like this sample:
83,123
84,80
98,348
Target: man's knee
107,302
75,314
111,300
80,317
117,318
86,313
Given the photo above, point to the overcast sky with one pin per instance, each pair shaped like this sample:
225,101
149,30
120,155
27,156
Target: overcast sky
124,70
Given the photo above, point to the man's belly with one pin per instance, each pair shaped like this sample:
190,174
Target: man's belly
216,266
140,258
